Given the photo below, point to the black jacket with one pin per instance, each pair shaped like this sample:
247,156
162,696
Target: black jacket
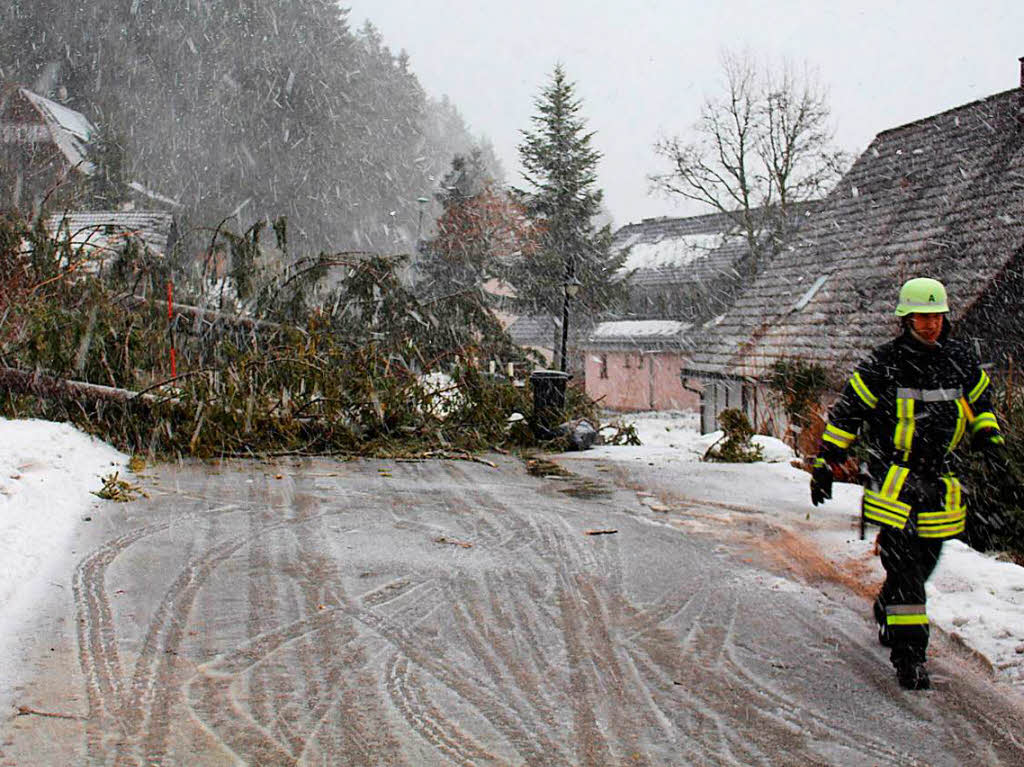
910,405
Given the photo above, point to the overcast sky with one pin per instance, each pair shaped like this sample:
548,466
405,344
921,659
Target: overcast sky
644,68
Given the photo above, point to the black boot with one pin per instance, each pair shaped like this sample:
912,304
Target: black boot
883,629
912,675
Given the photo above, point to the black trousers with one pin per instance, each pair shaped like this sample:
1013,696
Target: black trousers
908,561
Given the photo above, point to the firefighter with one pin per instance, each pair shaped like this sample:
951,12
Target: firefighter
910,403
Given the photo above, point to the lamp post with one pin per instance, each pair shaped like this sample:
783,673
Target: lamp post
571,289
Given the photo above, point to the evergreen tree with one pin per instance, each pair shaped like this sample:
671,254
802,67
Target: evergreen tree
245,110
560,168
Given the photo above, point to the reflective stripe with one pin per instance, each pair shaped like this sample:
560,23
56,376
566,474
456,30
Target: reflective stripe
979,388
837,436
904,434
930,395
906,615
952,520
907,620
894,479
884,507
943,531
863,391
963,411
984,420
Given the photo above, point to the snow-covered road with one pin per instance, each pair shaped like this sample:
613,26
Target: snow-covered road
452,612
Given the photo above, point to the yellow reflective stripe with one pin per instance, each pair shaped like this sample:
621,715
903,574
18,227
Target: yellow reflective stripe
906,615
941,517
962,410
893,484
943,531
837,436
907,620
884,518
984,420
886,514
891,507
954,493
979,388
904,434
863,391
952,520
885,507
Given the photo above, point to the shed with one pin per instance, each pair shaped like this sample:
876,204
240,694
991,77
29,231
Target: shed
635,365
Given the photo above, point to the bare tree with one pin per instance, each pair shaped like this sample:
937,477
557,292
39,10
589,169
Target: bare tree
761,147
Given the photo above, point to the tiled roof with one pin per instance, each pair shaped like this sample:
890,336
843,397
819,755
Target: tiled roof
941,197
678,250
107,231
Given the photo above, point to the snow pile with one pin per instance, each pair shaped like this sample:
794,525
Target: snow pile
48,472
443,395
971,596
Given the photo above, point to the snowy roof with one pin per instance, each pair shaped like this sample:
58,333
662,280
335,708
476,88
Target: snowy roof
940,197
107,231
672,250
637,334
71,130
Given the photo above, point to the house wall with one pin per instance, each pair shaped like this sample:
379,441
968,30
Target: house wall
629,381
753,399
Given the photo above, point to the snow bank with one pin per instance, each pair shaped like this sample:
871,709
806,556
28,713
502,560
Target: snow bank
48,472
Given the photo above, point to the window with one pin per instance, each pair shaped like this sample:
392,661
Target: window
604,366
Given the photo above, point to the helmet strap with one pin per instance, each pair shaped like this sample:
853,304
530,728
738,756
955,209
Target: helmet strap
908,326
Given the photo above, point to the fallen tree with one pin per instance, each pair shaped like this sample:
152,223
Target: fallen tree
366,369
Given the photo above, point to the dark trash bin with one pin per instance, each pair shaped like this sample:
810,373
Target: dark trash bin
548,401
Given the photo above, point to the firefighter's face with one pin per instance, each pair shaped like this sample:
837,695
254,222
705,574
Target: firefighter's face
927,326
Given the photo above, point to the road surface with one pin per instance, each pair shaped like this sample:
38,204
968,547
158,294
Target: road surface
318,612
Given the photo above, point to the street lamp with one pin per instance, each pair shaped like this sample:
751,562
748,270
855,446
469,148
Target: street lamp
571,289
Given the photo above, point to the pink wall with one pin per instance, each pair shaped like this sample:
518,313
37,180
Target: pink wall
651,382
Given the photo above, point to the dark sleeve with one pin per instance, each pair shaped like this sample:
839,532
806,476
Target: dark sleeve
859,397
977,388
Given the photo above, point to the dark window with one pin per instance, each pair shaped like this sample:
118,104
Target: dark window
604,366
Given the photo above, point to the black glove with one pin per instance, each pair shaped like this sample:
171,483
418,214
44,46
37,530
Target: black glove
821,481
989,442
